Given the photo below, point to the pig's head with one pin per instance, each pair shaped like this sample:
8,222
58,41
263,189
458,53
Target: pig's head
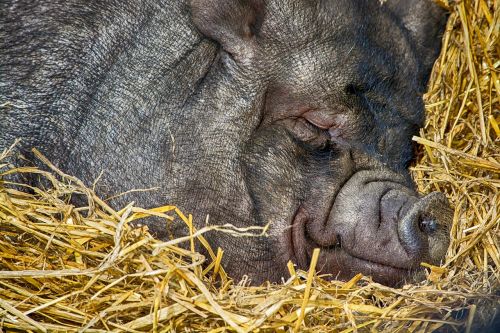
336,95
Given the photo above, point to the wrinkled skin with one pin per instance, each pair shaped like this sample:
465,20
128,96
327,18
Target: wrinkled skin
295,113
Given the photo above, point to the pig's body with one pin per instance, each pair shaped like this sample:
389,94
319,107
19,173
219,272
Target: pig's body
293,113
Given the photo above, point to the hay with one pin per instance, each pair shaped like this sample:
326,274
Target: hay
84,269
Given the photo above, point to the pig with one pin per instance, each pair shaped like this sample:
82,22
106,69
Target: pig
292,114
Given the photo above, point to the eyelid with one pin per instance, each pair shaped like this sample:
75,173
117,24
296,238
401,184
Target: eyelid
320,119
327,121
309,133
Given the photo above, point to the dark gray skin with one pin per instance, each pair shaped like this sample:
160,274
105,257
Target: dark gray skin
295,113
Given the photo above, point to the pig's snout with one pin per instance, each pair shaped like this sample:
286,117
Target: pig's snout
378,225
423,230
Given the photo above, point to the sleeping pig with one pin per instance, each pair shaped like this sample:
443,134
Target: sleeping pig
297,114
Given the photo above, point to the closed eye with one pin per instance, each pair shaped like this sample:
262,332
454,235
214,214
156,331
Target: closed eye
309,133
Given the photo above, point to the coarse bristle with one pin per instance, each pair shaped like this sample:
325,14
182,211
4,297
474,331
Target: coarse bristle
64,268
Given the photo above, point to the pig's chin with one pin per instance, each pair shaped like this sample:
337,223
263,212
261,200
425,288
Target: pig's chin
337,261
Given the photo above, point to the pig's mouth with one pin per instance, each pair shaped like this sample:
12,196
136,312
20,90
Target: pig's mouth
375,227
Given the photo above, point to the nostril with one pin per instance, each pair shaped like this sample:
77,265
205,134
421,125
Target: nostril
427,225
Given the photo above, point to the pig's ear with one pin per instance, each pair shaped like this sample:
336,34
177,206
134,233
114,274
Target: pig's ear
232,23
425,21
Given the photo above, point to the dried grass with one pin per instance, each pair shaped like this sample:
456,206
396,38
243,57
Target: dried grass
84,269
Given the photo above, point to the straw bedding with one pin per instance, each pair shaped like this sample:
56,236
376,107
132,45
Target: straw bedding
64,268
